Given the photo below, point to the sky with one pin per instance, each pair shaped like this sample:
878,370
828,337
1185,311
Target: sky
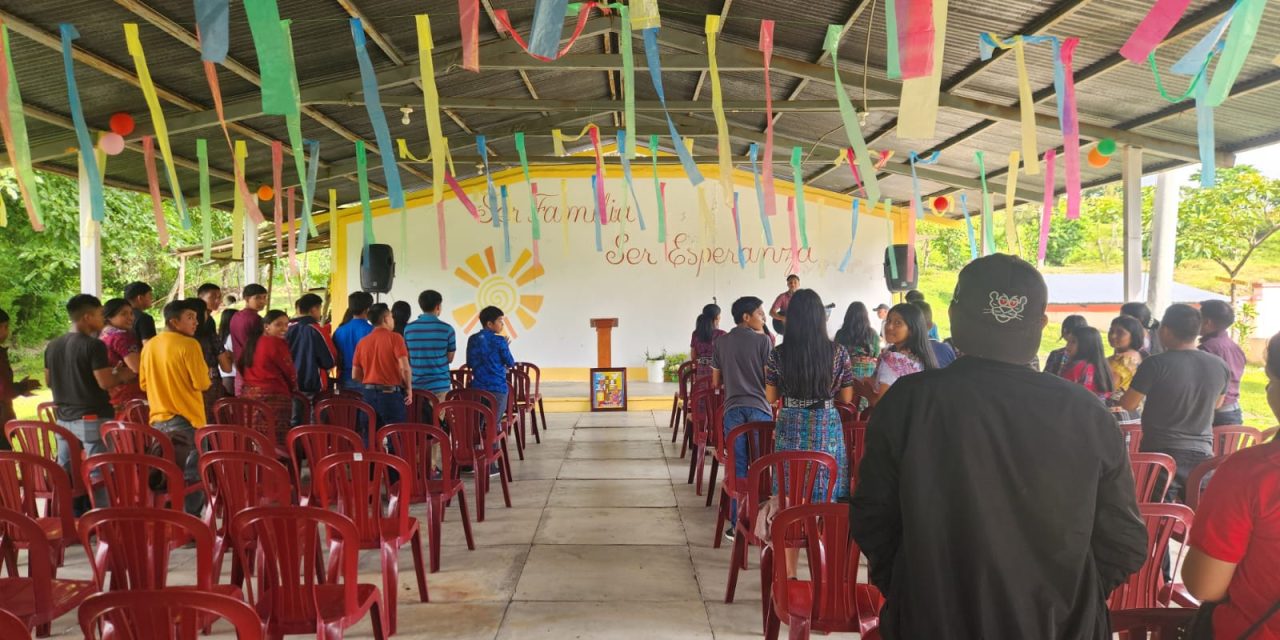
1266,159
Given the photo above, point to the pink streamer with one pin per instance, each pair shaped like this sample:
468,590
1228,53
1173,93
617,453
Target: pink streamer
1049,157
153,181
766,173
293,247
469,23
444,257
1070,128
277,166
915,37
1152,30
600,195
795,242
504,24
461,195
853,166
250,201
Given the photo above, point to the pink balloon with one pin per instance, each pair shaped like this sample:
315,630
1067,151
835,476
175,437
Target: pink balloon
111,144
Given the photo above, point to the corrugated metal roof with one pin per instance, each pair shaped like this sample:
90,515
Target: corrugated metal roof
1108,288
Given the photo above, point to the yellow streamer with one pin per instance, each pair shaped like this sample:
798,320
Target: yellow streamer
918,108
688,144
558,138
238,206
405,154
1010,193
644,15
431,104
1026,104
724,151
4,214
333,231
157,115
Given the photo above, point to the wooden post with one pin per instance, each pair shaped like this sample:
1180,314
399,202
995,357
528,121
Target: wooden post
604,340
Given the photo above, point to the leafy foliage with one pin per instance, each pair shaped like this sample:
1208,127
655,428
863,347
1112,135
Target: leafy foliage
1229,221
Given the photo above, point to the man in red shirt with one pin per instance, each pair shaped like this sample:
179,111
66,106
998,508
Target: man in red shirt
381,366
255,300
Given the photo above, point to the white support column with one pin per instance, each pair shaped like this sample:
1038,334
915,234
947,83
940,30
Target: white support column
1131,174
1164,236
90,242
250,252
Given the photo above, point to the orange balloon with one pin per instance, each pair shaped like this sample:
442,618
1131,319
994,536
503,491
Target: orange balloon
1097,160
265,192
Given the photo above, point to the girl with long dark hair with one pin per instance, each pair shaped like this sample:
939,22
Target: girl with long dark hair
909,351
1088,362
808,372
215,355
224,339
1125,338
267,367
123,348
706,330
401,312
1140,312
1056,363
859,339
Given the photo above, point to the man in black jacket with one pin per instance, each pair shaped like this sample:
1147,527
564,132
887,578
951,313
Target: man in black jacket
993,501
309,347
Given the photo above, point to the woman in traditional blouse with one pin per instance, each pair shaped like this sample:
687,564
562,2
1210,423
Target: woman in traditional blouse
1125,337
701,346
267,367
908,352
122,349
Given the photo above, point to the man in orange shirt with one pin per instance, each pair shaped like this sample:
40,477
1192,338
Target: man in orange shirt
381,366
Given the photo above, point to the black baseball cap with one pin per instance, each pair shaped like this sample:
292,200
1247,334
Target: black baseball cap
997,310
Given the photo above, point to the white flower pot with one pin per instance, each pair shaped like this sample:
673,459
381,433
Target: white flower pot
656,370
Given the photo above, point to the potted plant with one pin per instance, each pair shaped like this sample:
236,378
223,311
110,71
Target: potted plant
673,366
656,364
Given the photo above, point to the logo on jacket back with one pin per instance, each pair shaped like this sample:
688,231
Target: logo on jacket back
1006,308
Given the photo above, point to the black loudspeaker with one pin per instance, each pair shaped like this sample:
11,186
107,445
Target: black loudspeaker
377,268
901,283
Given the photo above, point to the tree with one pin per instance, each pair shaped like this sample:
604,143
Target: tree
1227,223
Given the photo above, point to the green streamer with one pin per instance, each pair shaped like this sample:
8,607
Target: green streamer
628,83
797,178
657,189
1191,89
1244,28
888,219
988,235
275,65
524,166
206,212
849,117
293,122
894,67
362,170
20,150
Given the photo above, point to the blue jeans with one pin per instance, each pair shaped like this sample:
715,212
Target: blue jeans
389,407
1230,415
183,437
735,417
88,431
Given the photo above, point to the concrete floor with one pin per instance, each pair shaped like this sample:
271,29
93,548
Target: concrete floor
605,540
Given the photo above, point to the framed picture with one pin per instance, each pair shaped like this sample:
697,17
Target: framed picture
609,389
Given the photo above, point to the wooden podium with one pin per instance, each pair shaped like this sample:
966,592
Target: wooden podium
604,340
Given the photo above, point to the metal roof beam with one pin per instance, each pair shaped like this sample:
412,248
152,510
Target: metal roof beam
502,33
702,75
522,104
859,6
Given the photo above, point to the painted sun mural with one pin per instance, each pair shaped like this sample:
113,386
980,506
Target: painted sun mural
499,289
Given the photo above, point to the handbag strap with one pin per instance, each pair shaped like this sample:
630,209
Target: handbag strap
1261,621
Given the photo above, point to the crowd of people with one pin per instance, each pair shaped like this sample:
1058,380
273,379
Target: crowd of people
993,500
113,354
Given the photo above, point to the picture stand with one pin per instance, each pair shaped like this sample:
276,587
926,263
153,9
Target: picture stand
609,389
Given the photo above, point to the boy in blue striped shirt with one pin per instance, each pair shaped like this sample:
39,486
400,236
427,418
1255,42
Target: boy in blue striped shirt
432,344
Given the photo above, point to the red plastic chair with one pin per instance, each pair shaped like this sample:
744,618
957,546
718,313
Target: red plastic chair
716,441
476,443
141,439
38,438
519,407
1152,475
236,481
1230,439
489,400
460,378
311,442
164,615
759,439
831,600
345,412
848,412
1266,436
423,409
253,414
39,598
12,627
1132,437
855,445
708,406
302,406
1196,483
795,473
696,385
680,400
47,412
335,392
535,393
435,485
137,411
353,484
128,479
40,490
286,547
230,437
1164,623
1147,588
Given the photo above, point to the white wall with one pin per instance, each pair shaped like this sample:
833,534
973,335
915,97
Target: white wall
654,290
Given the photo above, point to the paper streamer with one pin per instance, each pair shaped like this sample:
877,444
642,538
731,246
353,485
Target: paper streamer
469,25
737,233
795,240
313,171
362,173
623,141
1153,29
968,226
506,225
14,125
334,232
533,204
770,196
584,11
599,213
888,222
848,158
918,106
277,184
724,151
431,107
597,187
290,221
645,14
988,235
482,147
206,212
861,158
1205,137
853,237
1026,103
1070,126
240,206
440,233
153,185
655,74
378,117
250,202
911,247
893,66
97,203
275,65
753,151
1010,191
915,39
157,118
1193,61
797,179
213,22
293,123
660,189
1049,157
461,195
628,151
548,18
917,201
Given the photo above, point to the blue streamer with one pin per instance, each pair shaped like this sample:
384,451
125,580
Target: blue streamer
737,231
626,173
1192,63
377,117
1204,134
599,243
98,204
754,152
548,21
308,227
968,225
1196,63
213,19
506,228
482,146
915,182
655,74
853,235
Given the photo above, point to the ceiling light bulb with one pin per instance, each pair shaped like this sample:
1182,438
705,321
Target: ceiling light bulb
862,119
406,111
